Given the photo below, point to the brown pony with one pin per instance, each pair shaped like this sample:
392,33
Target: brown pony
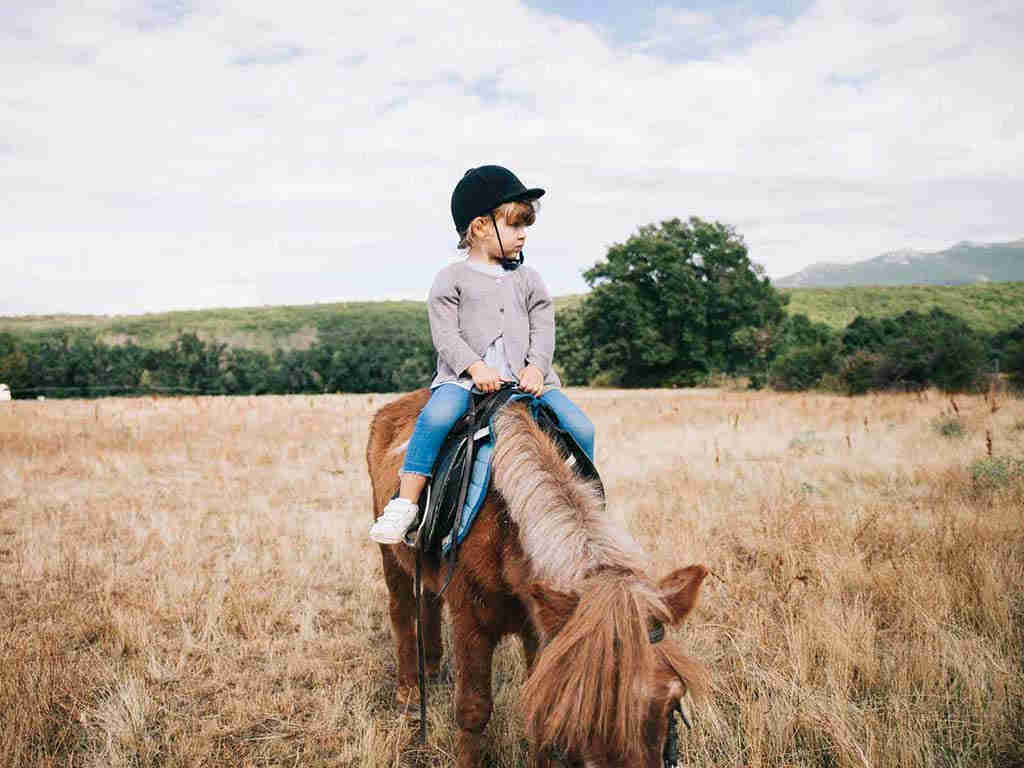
544,561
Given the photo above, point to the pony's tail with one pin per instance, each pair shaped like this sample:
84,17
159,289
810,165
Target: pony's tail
584,686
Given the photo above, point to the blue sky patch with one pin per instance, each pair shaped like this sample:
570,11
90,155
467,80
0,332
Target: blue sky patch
636,22
269,56
157,14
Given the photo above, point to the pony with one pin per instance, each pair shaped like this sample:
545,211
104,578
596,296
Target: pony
544,561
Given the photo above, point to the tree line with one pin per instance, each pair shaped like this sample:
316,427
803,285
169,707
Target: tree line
74,363
676,304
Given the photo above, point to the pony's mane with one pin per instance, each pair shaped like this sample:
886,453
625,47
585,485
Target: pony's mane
563,526
583,690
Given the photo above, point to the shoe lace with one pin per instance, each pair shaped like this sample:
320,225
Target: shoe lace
395,514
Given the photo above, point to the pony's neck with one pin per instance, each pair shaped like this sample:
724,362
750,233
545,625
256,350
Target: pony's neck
564,529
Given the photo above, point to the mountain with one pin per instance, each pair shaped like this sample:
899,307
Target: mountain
963,263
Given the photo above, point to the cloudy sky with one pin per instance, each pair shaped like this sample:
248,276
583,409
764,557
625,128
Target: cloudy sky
162,154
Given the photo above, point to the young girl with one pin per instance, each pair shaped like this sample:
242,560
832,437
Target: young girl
491,320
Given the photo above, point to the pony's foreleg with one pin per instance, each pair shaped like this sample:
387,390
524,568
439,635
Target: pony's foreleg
402,607
473,651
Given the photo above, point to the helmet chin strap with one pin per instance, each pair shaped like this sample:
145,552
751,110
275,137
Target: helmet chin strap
507,264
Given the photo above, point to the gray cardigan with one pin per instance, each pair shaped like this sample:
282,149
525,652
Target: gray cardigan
469,309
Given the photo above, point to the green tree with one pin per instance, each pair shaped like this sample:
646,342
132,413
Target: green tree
738,296
1013,363
13,364
192,364
802,367
415,371
858,372
665,307
1003,347
574,356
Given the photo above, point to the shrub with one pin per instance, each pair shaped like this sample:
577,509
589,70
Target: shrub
859,372
802,368
805,443
912,351
1013,363
607,378
957,359
994,472
949,427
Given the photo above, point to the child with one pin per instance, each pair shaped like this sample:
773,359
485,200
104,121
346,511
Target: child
491,320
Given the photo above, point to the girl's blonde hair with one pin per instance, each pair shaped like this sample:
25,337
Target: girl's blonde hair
515,213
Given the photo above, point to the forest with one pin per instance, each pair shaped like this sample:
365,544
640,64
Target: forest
677,304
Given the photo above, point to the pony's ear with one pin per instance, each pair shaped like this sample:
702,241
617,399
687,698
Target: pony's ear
551,608
680,588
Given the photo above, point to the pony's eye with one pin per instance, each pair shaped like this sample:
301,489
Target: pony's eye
655,630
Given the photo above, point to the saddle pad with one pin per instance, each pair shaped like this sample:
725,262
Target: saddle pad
440,498
480,473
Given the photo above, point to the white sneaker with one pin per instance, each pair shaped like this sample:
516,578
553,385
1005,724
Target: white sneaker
391,526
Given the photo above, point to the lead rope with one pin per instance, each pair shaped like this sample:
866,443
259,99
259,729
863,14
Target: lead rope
670,756
421,652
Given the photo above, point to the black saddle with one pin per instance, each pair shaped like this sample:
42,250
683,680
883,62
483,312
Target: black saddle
458,486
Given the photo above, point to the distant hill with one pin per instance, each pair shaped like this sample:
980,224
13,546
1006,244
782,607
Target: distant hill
962,264
259,328
986,307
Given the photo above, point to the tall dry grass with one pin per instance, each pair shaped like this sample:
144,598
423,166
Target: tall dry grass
189,583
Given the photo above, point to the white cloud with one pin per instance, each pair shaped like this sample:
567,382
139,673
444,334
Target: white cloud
313,147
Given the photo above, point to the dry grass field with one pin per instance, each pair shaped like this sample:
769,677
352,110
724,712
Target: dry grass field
188,582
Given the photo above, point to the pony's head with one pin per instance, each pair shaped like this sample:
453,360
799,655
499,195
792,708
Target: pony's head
603,687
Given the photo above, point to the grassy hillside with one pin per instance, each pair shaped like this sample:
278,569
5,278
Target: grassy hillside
258,328
987,307
261,328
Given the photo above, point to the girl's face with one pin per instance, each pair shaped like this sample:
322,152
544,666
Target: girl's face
513,238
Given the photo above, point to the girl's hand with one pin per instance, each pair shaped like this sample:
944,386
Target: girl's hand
485,378
531,380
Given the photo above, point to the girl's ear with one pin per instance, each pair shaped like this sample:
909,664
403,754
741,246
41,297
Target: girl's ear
480,227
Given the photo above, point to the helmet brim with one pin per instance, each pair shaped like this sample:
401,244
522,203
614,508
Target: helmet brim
529,194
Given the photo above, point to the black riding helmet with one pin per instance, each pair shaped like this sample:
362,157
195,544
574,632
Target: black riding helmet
480,191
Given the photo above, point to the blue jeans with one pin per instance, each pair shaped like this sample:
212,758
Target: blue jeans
450,401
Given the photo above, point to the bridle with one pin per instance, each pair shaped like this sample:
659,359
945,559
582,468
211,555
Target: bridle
670,755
